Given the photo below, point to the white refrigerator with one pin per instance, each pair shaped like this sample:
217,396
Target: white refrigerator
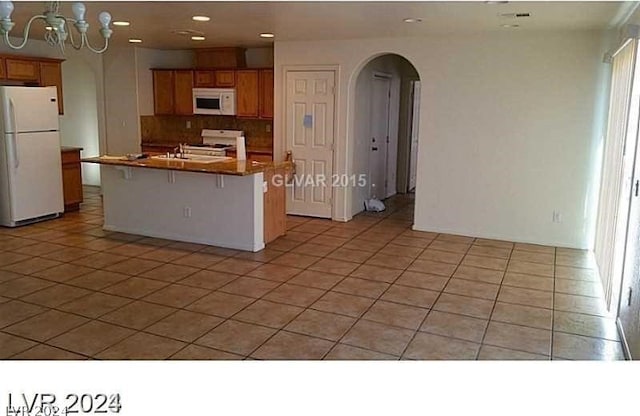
30,161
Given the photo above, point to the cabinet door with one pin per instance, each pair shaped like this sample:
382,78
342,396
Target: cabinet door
51,76
163,92
225,79
266,93
3,69
183,81
23,70
247,93
204,79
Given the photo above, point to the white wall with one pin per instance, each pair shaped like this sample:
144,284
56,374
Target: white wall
506,128
82,124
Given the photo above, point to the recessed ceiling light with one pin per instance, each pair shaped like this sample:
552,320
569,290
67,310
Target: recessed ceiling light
267,35
135,40
121,23
201,18
510,26
197,37
412,20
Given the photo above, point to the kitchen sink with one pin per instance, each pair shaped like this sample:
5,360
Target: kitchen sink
192,158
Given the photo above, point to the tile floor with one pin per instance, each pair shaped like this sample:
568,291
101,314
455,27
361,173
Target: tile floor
368,289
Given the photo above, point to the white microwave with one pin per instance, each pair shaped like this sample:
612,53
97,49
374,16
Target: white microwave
214,101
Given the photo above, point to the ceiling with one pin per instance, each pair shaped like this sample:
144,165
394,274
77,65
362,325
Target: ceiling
239,23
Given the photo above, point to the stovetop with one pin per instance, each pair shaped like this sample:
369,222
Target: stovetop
215,146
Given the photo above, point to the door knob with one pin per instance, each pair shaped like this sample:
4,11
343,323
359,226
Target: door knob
375,149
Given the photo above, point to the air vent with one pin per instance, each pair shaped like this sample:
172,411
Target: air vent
187,32
514,15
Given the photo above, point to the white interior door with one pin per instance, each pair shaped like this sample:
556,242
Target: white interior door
310,104
415,123
380,100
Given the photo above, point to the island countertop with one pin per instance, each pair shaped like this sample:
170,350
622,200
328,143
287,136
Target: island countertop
231,167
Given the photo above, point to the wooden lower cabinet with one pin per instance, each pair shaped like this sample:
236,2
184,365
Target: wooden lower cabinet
71,179
275,211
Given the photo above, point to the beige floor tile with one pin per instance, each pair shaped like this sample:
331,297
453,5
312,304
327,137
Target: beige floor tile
208,279
347,352
328,240
434,347
576,347
488,251
422,280
288,346
410,296
585,262
453,238
411,242
528,281
321,324
137,315
46,325
318,280
381,274
365,245
579,287
587,325
164,254
91,338
142,346
220,251
132,250
54,296
489,352
441,256
8,258
534,248
299,261
463,305
343,304
170,272
485,262
177,296
46,352
11,345
99,260
134,266
98,279
63,272
473,289
580,304
402,251
275,272
523,315
455,326
389,261
4,300
237,266
31,265
538,269
263,256
432,267
313,249
450,246
94,305
236,337
198,260
16,311
283,244
334,266
185,326
295,295
361,287
478,274
533,340
575,273
250,287
135,287
346,254
6,276
378,337
195,352
23,286
527,297
274,315
532,257
220,304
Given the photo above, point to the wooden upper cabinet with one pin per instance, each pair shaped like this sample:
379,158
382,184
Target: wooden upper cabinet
266,93
23,70
3,69
204,79
163,92
183,94
51,76
225,79
247,96
220,58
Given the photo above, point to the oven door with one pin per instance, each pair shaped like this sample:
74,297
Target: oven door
210,103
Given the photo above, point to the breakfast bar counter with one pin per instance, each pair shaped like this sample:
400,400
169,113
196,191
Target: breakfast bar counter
229,203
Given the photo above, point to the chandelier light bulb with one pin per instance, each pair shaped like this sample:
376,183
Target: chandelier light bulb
105,19
79,11
6,8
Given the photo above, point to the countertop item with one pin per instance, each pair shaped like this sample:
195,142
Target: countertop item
232,167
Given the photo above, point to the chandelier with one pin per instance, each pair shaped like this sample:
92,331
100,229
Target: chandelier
57,26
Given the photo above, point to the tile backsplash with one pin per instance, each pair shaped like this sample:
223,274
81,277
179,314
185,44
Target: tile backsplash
173,129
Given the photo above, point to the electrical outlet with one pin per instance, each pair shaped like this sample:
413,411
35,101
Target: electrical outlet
557,217
188,124
186,212
268,128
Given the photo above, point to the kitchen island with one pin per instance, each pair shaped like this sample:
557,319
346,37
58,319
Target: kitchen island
232,203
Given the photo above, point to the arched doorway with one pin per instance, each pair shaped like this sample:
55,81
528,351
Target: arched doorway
385,123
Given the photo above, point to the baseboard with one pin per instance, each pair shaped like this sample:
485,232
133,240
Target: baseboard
623,340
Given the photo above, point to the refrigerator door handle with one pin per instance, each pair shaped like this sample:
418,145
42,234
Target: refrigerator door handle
14,146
